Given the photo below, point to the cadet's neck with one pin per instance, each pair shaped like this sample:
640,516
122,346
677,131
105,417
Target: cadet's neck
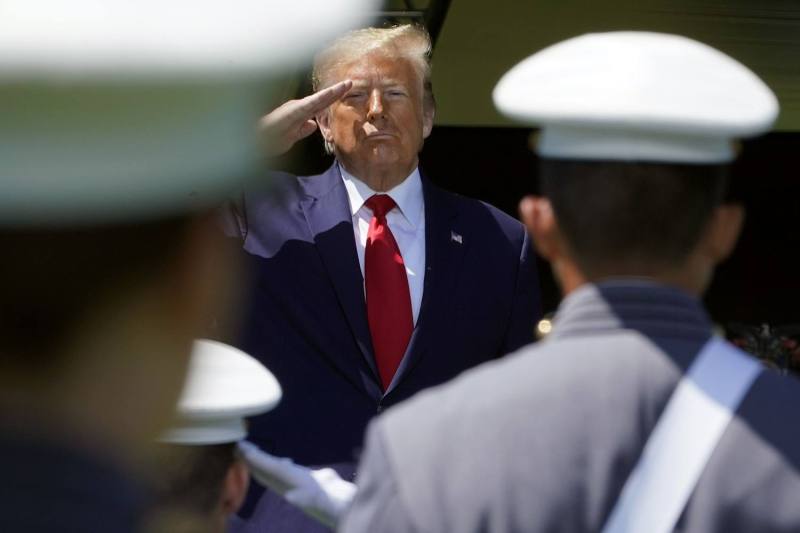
692,280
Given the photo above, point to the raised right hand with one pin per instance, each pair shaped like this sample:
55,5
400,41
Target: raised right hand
294,120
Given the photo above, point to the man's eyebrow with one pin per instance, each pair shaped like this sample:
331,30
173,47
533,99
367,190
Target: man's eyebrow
360,83
393,83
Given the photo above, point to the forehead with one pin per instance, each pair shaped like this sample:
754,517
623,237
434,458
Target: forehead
379,68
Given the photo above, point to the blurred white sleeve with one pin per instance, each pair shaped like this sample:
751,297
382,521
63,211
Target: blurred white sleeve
321,494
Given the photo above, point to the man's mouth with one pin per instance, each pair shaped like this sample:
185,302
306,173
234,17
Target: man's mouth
379,135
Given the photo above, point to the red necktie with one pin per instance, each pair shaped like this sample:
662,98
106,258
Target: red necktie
388,298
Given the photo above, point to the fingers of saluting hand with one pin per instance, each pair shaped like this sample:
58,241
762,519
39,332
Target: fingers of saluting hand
314,104
294,120
297,112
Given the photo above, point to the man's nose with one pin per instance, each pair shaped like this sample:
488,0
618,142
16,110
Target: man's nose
375,104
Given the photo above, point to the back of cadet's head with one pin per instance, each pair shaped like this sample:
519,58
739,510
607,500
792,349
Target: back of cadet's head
638,131
198,476
51,280
191,485
617,213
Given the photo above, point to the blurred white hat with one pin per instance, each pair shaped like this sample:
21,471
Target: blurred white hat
636,96
115,110
223,386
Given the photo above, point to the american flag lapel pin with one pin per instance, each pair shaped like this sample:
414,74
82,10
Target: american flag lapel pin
455,237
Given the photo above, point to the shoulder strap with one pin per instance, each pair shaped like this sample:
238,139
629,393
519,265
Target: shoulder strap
696,416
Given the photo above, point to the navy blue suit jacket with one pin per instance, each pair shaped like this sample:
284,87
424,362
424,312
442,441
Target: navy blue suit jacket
306,319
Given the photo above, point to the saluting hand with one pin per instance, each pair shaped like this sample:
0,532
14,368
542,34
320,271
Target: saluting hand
294,120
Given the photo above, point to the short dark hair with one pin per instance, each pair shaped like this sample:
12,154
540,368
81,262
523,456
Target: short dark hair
189,478
51,277
631,214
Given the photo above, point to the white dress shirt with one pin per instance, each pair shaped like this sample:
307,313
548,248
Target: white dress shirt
406,221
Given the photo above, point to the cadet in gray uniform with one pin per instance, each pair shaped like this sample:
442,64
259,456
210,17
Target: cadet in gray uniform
637,132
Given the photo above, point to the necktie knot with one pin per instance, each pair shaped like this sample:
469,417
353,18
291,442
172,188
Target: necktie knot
380,204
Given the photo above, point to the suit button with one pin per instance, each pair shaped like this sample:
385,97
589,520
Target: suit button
379,409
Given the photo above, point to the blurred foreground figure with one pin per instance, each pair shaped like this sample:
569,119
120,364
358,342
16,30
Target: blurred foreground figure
122,122
631,416
200,478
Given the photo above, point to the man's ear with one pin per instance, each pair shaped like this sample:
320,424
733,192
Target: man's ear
323,121
723,231
538,216
234,487
428,113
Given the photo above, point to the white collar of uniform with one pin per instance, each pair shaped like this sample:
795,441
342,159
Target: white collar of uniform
407,195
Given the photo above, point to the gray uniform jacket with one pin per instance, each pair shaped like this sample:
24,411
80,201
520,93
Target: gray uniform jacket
545,439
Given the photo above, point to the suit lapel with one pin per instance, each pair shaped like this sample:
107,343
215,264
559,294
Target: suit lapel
445,244
327,211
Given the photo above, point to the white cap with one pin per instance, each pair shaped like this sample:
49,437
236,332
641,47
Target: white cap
115,110
223,385
636,96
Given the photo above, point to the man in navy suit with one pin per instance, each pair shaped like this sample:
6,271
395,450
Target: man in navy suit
370,282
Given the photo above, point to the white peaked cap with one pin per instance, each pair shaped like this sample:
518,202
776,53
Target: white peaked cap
636,96
223,386
117,110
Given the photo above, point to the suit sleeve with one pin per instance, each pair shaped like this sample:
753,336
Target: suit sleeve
526,307
377,505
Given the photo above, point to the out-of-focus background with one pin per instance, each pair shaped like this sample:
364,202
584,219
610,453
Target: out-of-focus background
476,152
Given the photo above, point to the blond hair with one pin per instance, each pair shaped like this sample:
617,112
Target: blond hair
406,41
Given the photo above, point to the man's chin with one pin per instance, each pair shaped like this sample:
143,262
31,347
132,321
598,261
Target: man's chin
384,155
380,155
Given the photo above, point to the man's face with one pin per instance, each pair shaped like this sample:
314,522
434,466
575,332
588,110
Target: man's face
381,121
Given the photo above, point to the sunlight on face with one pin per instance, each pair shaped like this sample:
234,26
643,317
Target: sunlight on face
381,120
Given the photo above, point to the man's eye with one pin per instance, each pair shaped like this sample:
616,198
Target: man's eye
353,95
397,92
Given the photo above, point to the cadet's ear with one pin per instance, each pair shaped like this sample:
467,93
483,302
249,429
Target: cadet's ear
723,231
538,216
234,487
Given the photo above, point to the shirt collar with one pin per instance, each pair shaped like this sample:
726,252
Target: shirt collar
407,195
